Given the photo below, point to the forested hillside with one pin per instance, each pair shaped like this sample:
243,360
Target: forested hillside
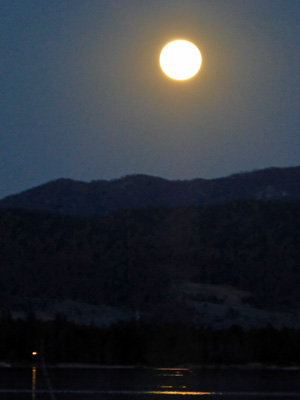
135,258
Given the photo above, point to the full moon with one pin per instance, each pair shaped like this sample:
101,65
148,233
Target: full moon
180,59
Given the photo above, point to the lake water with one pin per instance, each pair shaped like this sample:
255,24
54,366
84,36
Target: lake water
148,383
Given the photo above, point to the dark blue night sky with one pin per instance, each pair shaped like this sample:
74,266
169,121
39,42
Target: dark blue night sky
83,96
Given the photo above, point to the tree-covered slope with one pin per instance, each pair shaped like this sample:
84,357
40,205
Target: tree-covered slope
132,258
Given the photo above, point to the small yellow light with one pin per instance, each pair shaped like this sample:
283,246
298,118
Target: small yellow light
34,353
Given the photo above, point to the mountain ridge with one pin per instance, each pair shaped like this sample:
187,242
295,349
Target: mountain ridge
215,252
99,197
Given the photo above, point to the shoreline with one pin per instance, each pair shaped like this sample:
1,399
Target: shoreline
246,367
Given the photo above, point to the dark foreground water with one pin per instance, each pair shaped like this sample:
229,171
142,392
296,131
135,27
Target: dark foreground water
147,384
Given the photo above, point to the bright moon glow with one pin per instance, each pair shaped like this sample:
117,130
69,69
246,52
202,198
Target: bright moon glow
180,59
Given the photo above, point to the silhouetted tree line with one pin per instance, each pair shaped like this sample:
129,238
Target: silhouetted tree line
138,343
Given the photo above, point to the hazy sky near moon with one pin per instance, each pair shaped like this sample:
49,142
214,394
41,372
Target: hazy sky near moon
83,96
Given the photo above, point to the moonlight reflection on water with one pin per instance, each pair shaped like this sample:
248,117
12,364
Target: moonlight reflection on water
129,383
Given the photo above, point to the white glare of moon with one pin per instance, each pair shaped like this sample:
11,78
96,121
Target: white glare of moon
180,59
